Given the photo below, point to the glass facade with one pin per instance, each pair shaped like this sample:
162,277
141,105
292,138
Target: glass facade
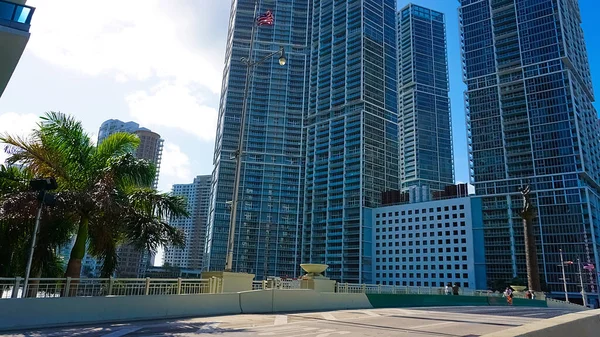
269,208
15,16
424,106
531,121
351,132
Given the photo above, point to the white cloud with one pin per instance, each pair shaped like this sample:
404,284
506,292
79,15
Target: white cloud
13,123
129,40
175,168
173,105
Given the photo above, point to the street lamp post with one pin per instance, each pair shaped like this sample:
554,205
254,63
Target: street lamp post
562,265
41,186
583,294
238,153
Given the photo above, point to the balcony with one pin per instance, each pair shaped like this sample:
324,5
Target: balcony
15,21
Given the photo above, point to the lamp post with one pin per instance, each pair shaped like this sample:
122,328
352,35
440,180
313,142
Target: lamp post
562,265
583,294
41,186
238,153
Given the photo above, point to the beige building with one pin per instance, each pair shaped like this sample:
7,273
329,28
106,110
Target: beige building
133,262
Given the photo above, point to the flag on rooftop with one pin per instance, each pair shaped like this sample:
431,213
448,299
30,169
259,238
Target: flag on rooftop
266,19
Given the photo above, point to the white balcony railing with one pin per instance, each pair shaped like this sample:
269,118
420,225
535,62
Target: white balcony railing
71,287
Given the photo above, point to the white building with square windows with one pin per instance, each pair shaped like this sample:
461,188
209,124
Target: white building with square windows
429,244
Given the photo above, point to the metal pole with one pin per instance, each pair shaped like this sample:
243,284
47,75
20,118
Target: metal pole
35,230
238,153
562,265
581,283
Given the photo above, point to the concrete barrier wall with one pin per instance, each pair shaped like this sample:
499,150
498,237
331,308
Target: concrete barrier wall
51,312
308,300
552,303
580,324
269,301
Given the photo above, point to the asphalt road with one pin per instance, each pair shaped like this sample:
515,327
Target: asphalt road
421,322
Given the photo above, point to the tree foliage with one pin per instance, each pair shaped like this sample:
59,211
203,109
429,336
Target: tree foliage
103,199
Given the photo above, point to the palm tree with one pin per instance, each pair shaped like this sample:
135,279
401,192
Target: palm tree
16,228
103,188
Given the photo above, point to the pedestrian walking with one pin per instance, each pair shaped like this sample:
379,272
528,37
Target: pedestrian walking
509,295
455,288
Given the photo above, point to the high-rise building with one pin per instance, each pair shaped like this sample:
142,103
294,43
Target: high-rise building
424,107
351,132
15,21
197,195
430,243
531,122
151,145
270,194
132,261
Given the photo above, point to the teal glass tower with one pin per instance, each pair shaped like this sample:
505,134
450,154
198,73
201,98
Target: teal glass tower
531,122
269,209
351,131
426,157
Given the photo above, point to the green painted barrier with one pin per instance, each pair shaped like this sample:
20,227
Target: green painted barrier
413,300
400,301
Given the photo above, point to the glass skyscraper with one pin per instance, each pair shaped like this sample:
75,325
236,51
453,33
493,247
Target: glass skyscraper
531,121
424,108
269,215
351,131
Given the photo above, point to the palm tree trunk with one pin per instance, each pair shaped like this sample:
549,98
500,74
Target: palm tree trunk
78,251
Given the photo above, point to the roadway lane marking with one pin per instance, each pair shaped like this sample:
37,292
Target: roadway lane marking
292,329
122,332
370,313
329,332
280,320
430,325
328,316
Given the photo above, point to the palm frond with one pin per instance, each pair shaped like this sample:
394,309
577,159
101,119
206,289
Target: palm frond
41,160
65,136
161,205
117,144
128,171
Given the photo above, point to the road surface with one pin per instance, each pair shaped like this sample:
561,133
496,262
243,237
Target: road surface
421,322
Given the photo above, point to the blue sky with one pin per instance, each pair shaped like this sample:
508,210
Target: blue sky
159,63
